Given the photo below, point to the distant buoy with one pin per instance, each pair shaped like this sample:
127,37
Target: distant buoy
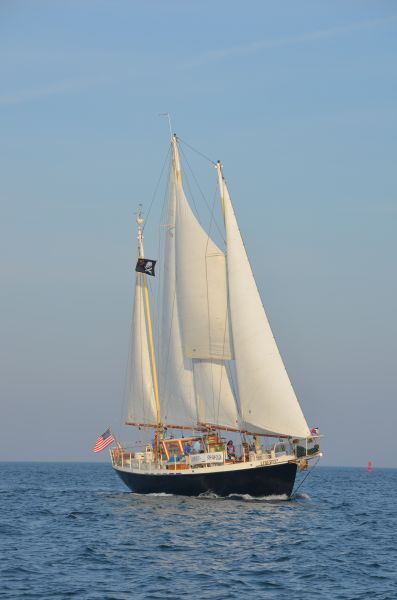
369,467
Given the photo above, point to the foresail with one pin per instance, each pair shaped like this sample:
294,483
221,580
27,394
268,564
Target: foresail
141,399
201,287
268,401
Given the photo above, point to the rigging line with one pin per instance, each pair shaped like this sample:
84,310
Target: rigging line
221,233
161,257
127,373
305,477
191,194
225,332
215,407
197,151
157,187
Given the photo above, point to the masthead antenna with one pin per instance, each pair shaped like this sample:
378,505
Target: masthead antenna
169,120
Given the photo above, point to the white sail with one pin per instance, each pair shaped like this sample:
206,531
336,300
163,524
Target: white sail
141,399
201,291
178,404
201,287
268,401
216,404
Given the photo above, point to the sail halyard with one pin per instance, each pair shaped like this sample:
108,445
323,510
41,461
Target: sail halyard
269,405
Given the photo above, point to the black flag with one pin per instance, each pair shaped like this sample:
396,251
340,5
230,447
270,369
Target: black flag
145,265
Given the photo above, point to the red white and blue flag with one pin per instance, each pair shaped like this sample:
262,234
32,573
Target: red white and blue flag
315,431
103,441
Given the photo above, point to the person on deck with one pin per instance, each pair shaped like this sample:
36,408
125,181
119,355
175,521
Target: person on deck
196,447
187,448
231,451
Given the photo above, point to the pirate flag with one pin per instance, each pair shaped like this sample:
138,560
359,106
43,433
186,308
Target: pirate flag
145,265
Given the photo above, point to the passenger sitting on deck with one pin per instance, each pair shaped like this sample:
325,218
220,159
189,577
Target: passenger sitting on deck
231,452
196,447
187,448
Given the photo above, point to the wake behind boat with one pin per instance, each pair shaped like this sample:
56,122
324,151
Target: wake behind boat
213,389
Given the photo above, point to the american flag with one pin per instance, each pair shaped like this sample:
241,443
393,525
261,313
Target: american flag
103,441
315,431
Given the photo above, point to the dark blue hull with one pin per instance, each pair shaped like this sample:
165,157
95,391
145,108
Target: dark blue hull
261,481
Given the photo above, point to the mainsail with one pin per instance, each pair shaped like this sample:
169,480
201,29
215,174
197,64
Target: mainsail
268,401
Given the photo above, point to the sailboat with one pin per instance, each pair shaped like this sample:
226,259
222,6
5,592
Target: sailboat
212,387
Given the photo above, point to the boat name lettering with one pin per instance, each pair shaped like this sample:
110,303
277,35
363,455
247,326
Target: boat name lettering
206,457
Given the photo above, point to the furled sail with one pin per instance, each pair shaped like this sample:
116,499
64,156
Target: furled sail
268,401
141,399
178,404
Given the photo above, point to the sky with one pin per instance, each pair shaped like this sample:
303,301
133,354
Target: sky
298,100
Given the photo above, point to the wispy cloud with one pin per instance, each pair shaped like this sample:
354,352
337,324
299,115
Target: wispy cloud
253,47
24,95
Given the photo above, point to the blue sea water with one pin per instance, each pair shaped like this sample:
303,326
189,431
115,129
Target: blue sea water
72,530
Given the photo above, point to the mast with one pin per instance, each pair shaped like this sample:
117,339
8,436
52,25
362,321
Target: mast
140,220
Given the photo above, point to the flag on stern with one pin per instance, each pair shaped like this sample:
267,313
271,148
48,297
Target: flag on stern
103,441
145,265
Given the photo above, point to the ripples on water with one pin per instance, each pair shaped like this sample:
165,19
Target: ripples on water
74,531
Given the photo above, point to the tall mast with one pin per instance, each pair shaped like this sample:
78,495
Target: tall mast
176,163
140,221
220,182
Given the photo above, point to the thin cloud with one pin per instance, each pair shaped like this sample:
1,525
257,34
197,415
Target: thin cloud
49,90
253,47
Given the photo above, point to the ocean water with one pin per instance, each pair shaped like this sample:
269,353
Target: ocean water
70,530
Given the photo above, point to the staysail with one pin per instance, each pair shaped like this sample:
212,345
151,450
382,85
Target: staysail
268,402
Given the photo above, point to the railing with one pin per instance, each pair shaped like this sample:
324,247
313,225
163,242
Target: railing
145,460
310,448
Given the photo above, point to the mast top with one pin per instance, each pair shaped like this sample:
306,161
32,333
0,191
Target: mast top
140,221
139,216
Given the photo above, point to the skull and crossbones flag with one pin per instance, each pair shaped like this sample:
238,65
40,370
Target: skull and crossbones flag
145,265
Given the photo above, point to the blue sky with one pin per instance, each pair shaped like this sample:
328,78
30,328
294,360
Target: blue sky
298,99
